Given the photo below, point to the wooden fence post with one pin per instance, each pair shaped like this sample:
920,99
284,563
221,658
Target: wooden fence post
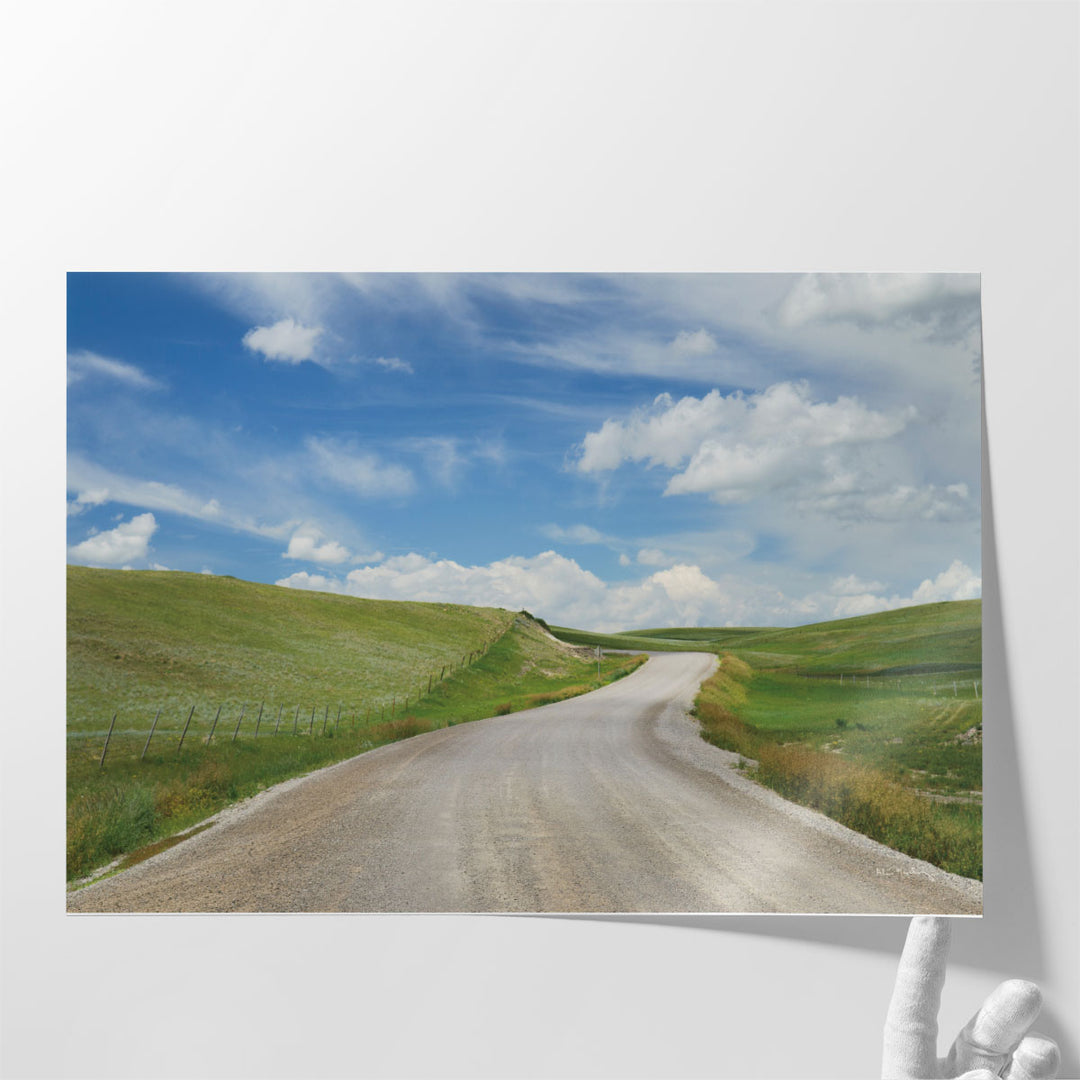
278,724
107,738
150,736
213,726
238,723
258,720
336,719
184,732
429,684
296,716
326,713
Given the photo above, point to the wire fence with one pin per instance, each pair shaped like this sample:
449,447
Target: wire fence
270,722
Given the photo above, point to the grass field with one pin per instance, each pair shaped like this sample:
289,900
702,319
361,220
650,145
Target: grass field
875,720
348,675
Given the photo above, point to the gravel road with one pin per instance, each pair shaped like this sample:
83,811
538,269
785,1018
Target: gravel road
606,802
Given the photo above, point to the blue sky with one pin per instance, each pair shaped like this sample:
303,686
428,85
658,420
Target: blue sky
608,451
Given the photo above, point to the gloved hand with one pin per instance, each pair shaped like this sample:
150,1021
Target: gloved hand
994,1043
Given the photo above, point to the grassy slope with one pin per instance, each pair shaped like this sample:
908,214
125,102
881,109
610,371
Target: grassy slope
926,638
919,639
146,638
142,640
854,716
868,776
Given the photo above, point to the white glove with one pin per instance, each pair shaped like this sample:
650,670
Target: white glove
995,1041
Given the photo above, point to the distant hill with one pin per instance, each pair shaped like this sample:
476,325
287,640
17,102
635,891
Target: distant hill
925,638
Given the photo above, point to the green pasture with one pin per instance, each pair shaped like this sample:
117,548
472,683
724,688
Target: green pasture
909,727
874,720
165,628
143,641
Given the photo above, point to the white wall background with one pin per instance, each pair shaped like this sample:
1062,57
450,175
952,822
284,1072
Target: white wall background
545,136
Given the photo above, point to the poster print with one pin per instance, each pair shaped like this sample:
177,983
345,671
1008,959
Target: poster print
524,592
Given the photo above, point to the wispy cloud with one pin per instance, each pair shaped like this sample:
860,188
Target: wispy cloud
362,472
575,534
394,363
878,299
96,485
89,365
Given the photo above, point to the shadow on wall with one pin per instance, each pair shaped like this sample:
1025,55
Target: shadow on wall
1008,939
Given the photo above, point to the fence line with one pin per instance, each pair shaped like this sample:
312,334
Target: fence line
467,660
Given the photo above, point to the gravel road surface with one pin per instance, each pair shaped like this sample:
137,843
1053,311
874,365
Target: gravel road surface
606,802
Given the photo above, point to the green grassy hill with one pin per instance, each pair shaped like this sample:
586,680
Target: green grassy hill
330,677
143,640
927,638
874,720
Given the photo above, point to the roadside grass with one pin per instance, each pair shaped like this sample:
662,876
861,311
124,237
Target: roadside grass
133,802
860,756
909,728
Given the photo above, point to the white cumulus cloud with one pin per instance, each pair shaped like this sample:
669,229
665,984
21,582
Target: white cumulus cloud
552,586
287,341
309,544
958,582
128,541
738,447
565,594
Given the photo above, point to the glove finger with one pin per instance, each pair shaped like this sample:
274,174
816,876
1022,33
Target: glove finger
911,1027
1036,1058
991,1035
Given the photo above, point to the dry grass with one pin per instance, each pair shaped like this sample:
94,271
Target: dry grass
854,794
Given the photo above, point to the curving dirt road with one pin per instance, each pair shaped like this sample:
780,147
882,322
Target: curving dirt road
606,802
